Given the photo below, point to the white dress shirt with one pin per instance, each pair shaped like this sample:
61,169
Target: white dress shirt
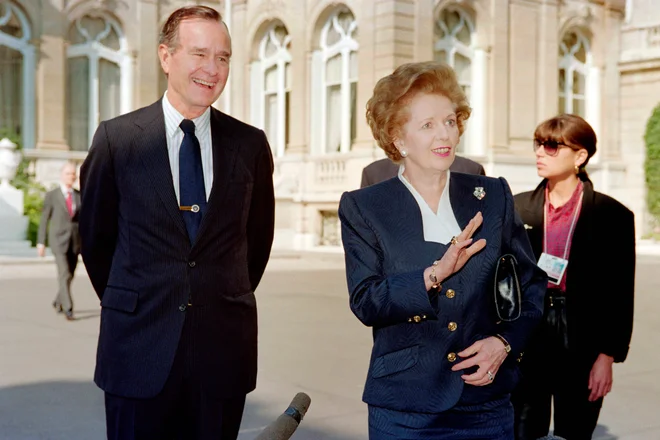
65,193
439,227
175,136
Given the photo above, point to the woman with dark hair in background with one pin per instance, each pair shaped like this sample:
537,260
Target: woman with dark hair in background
578,236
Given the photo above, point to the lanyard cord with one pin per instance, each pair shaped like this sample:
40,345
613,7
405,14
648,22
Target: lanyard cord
576,214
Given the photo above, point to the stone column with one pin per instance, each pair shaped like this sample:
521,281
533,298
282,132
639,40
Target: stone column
387,38
499,80
299,94
51,79
146,63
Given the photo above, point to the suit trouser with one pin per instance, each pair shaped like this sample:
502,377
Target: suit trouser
552,371
66,267
183,410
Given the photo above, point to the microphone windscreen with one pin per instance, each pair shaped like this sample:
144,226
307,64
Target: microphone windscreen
281,429
301,402
286,424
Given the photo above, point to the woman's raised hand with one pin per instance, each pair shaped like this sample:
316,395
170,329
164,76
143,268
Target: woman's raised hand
459,252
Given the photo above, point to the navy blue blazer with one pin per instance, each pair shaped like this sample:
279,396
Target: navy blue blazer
144,269
414,346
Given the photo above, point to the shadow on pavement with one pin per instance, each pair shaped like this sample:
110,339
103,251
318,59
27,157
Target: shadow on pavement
70,410
602,432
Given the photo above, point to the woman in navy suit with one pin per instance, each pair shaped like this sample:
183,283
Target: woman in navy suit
421,252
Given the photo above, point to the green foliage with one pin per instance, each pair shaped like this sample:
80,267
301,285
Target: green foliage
33,191
652,164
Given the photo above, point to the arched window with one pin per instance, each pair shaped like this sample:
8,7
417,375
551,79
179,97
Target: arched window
271,84
17,67
99,76
454,37
334,84
574,64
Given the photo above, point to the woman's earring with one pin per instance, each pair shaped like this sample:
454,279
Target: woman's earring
577,169
404,153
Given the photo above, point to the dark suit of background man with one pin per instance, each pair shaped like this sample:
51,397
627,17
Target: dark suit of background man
60,218
383,169
177,227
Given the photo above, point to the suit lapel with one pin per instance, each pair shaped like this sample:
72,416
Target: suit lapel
151,143
224,159
533,216
463,202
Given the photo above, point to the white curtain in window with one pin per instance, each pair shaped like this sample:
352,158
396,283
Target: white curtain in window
78,103
109,90
11,90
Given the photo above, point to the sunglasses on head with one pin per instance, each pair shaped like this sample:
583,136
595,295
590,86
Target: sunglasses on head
551,148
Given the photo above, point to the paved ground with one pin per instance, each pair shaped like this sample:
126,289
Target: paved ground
309,341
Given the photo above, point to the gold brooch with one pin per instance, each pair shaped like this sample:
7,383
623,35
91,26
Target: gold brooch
479,192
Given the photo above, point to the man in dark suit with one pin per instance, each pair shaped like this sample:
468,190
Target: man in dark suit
177,227
60,218
384,169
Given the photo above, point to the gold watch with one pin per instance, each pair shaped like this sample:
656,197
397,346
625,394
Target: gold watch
507,346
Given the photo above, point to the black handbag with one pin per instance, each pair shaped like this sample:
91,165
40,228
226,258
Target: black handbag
508,295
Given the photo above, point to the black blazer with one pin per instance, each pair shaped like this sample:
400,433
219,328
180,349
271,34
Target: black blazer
600,277
61,227
386,254
384,169
143,267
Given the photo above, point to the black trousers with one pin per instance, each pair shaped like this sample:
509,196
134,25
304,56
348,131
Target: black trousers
553,372
183,410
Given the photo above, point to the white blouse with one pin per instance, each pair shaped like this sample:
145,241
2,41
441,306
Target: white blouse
439,227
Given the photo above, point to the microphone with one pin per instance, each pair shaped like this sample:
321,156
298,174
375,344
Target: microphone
285,425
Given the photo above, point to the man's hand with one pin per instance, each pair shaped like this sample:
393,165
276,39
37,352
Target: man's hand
600,378
41,250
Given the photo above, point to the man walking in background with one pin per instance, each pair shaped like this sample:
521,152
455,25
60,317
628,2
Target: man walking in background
60,218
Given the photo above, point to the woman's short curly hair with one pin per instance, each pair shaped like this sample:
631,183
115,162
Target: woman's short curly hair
387,110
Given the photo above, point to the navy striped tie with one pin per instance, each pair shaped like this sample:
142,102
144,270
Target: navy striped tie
192,193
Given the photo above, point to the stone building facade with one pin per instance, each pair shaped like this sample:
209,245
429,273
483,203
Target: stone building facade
303,71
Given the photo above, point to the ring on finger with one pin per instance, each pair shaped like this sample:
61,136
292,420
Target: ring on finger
454,241
490,375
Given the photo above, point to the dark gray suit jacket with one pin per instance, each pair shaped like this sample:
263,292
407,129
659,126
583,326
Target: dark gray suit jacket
145,270
62,228
384,169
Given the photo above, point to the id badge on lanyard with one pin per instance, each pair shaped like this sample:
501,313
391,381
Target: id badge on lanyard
554,265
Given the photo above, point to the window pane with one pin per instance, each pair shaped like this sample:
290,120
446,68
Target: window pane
11,90
353,68
287,75
579,107
440,56
462,66
270,79
109,90
13,25
581,53
562,105
578,83
287,119
562,81
78,103
270,122
111,40
353,111
463,34
333,119
333,70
